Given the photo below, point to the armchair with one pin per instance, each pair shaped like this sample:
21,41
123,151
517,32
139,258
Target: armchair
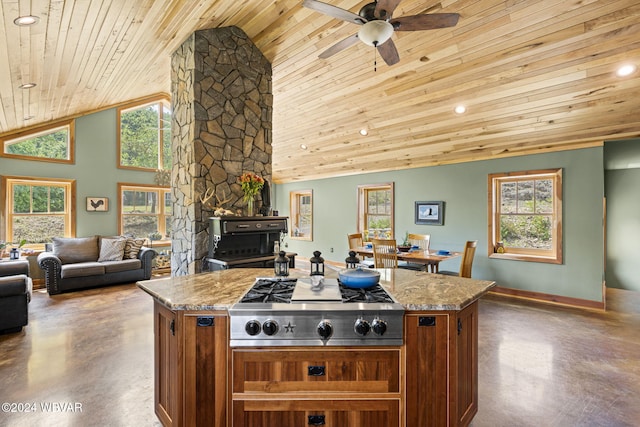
15,295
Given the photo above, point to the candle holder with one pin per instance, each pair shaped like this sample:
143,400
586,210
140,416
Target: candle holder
281,264
352,260
317,264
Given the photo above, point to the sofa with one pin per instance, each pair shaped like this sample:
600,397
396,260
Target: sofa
88,262
15,295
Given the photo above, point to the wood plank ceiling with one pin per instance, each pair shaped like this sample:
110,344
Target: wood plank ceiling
535,75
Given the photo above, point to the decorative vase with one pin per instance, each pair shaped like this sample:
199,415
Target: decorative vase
250,206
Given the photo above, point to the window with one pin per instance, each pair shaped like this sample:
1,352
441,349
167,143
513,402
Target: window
145,211
144,136
301,208
39,209
52,143
375,211
525,211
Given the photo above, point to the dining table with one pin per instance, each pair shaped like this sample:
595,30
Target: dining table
430,258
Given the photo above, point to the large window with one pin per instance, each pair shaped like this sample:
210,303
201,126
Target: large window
38,209
144,136
525,211
145,211
375,211
301,208
51,143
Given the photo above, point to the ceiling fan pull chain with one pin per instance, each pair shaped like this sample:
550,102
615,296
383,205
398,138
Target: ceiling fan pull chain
375,57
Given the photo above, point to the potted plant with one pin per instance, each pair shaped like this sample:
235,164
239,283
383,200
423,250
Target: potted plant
405,246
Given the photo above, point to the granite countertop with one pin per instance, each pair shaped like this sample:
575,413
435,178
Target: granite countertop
219,290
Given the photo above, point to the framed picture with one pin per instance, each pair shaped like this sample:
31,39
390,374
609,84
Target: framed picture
431,213
97,204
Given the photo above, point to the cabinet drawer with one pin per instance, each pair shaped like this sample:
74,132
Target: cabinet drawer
333,413
337,370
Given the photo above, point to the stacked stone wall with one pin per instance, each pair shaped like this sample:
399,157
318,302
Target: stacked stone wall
222,113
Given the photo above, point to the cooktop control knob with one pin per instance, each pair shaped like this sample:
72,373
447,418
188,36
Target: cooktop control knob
252,327
361,327
270,327
379,326
325,329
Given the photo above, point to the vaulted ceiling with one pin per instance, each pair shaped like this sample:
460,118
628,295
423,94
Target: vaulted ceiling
534,75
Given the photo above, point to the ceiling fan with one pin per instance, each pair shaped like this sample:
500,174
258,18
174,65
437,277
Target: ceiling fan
378,25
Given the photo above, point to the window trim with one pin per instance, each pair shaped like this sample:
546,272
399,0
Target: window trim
294,205
162,217
37,131
553,256
133,106
7,182
362,211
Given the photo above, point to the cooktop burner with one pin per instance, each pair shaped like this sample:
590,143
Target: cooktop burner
268,290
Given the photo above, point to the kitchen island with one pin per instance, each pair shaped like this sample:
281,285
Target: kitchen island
429,380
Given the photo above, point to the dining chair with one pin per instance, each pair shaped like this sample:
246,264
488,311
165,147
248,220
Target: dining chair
466,262
356,241
422,242
385,253
419,240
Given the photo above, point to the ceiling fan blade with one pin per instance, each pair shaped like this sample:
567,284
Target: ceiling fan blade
429,21
341,45
389,52
385,8
334,11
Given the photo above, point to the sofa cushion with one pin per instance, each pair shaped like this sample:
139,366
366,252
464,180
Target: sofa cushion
81,269
76,249
124,265
132,248
111,249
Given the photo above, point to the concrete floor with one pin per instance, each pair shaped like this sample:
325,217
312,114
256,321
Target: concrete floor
539,365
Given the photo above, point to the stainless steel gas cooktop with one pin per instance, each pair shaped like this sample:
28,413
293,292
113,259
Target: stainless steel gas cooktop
293,312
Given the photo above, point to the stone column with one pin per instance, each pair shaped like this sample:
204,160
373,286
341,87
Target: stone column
222,112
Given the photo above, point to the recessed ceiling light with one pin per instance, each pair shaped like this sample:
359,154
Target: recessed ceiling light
27,85
626,70
460,109
28,118
304,147
364,132
24,21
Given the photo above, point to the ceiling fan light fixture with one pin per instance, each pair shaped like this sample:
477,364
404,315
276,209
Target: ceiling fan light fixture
376,32
25,21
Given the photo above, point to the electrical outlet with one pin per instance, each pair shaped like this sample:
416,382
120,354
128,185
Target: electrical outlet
331,250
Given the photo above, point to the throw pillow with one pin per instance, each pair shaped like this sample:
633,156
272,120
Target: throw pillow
112,249
76,249
132,248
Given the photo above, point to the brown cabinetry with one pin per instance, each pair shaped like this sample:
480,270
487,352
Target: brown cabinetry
431,381
442,367
329,387
191,367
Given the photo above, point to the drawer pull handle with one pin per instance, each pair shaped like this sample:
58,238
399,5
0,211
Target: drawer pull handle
316,420
315,371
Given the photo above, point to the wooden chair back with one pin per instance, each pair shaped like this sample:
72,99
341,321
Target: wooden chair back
385,253
467,258
355,240
420,240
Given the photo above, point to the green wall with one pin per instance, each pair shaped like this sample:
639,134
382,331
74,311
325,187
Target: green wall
463,188
94,170
622,181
